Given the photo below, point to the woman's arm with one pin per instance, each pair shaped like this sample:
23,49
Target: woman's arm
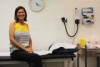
30,45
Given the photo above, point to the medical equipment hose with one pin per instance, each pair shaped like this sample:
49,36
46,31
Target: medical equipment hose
67,30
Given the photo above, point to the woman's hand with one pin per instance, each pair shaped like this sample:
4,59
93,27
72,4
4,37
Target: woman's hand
29,50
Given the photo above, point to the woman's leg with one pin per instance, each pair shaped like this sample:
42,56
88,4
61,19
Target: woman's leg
33,59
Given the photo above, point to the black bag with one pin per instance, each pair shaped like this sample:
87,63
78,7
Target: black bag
62,50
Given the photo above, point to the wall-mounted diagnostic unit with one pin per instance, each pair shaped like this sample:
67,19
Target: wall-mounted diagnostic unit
87,15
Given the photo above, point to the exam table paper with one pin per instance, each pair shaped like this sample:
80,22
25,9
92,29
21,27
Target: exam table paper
43,52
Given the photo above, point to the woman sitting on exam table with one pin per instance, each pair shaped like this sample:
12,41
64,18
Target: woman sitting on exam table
20,40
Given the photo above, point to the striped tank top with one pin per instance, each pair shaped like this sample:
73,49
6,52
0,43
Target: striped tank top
21,35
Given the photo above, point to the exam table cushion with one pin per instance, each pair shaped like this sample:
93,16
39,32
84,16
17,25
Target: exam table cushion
48,56
56,56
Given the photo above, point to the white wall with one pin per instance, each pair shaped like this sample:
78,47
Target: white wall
46,26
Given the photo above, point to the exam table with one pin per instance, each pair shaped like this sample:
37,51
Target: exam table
66,58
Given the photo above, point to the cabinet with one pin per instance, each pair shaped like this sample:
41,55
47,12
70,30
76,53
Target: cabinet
95,52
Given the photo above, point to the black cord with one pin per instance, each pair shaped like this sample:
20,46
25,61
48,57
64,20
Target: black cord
67,31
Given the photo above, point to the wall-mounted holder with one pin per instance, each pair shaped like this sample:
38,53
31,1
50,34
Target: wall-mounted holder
64,19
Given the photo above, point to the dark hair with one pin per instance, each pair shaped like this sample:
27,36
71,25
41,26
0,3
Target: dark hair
16,10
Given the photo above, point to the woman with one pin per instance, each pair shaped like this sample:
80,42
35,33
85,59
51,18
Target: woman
21,43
